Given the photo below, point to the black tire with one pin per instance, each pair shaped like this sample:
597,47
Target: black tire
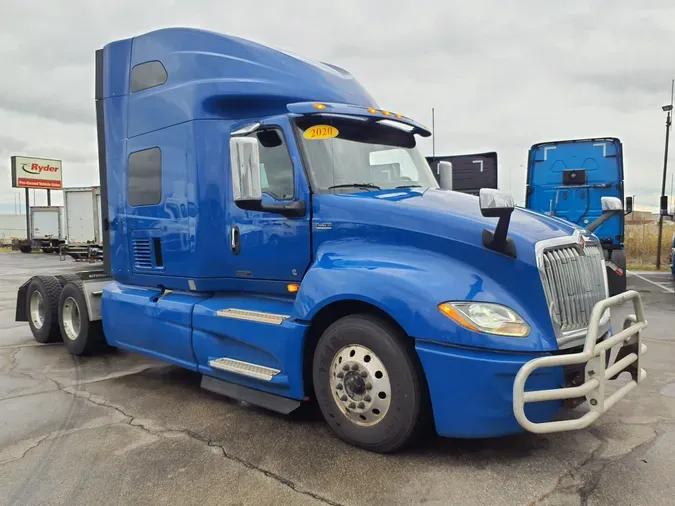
25,249
87,337
408,406
64,279
50,290
48,250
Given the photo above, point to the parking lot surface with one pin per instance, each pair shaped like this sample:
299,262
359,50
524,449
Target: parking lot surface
122,429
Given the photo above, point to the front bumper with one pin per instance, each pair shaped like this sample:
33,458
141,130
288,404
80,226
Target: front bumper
597,372
477,393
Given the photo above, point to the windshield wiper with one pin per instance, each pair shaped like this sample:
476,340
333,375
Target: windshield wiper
410,186
355,185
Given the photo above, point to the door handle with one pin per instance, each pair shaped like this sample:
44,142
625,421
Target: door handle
235,243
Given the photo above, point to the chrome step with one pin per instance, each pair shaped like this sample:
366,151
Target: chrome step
244,368
253,316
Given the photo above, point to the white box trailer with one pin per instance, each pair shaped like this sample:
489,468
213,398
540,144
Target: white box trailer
83,222
46,230
46,222
82,207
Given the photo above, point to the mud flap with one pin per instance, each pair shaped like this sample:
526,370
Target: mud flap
21,310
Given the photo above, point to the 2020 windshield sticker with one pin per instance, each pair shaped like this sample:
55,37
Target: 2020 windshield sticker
319,132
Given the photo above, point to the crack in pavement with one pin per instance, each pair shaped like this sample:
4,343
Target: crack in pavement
584,478
55,434
168,432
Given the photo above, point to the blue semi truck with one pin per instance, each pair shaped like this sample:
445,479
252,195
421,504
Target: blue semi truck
270,227
569,178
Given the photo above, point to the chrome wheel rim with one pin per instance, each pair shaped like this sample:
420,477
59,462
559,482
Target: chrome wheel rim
37,309
360,385
71,318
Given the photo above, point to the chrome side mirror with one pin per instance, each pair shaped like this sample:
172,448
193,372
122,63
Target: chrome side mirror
611,204
610,207
245,166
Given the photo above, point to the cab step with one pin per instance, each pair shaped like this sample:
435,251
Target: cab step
265,400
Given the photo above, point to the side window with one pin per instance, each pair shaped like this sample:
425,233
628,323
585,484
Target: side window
276,168
145,177
147,75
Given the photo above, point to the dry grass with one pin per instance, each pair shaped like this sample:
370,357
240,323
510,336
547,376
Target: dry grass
641,241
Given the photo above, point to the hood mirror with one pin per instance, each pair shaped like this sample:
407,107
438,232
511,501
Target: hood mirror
496,204
610,207
611,204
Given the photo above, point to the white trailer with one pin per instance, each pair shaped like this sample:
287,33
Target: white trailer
46,230
83,222
46,222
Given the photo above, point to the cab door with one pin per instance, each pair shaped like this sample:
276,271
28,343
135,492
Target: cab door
270,246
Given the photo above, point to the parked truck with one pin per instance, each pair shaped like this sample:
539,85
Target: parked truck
46,230
569,178
270,227
470,172
83,223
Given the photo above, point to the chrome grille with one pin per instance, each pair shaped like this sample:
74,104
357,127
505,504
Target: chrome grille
573,282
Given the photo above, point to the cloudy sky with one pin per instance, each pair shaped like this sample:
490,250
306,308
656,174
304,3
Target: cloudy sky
501,75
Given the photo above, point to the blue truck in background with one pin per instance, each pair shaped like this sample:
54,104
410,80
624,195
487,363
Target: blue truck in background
569,178
270,227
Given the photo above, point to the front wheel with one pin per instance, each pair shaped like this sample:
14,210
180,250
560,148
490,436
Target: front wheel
368,384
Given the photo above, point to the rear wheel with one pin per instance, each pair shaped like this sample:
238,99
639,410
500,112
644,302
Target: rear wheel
368,384
81,336
42,303
25,249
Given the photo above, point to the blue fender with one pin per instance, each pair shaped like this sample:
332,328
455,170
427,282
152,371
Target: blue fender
408,283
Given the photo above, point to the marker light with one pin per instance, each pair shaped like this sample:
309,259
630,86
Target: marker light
293,287
386,113
320,106
372,111
398,116
486,317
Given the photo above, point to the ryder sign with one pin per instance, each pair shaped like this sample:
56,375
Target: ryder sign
28,172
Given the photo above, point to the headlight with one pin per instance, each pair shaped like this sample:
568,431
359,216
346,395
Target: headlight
486,317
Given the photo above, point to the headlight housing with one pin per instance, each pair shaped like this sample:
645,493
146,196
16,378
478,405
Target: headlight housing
486,317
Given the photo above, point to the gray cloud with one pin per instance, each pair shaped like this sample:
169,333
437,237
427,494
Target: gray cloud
501,75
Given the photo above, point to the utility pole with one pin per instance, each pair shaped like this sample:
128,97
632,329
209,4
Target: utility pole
669,121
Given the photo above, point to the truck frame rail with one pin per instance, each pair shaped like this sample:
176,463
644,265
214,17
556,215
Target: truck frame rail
597,372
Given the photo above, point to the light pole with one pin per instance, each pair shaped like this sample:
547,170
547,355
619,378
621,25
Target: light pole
669,121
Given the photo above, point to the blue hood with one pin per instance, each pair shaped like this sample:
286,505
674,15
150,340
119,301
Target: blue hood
443,213
405,251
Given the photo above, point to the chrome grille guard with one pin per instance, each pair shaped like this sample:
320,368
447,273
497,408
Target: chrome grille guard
596,374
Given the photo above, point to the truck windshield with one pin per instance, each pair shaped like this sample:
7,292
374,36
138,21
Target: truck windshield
352,155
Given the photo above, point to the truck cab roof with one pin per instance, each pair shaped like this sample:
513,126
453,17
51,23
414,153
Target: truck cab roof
186,74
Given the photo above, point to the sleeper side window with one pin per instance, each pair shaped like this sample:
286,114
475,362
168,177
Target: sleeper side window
276,167
144,183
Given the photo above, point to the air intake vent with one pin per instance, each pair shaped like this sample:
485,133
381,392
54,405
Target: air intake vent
142,254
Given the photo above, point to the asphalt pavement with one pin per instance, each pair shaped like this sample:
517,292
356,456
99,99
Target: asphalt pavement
123,429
